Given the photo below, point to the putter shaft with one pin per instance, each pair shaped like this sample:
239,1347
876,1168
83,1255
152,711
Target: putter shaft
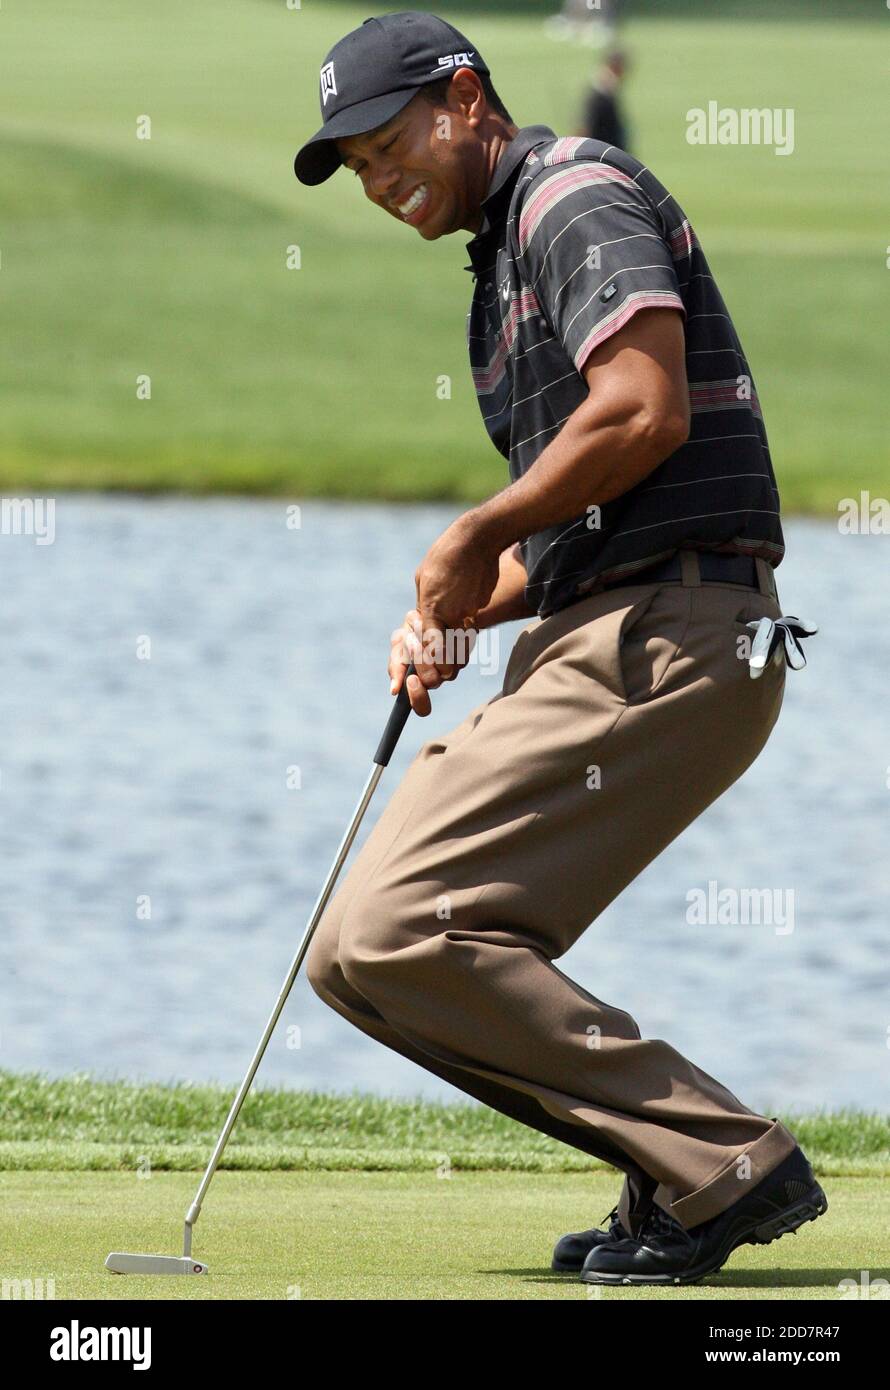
321,903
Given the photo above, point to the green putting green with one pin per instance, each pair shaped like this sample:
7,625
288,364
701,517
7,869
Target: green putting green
167,258
394,1236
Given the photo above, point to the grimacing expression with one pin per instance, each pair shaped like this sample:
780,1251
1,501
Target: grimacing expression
417,167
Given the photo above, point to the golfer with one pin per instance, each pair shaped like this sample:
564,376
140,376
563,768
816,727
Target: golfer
638,538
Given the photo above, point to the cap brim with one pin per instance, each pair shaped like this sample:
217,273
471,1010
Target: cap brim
319,157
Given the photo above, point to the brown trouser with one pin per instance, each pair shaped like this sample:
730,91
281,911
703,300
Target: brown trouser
620,719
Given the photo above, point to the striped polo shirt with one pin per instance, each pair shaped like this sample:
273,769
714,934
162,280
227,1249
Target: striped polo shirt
576,237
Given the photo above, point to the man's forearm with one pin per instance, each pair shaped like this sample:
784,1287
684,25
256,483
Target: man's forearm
591,461
636,413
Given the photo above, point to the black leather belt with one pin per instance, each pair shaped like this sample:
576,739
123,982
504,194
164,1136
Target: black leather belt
713,568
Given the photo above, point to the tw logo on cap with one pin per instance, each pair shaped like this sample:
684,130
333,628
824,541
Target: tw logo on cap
328,83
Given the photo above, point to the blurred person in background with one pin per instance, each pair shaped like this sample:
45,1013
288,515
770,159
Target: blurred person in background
603,117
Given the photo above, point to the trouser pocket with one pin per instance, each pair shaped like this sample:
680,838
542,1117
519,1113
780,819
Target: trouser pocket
650,639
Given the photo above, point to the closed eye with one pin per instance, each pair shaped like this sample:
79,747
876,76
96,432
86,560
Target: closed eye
383,148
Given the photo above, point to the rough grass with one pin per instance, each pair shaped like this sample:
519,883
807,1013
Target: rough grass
78,1123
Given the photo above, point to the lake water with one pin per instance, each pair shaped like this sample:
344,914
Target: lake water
131,776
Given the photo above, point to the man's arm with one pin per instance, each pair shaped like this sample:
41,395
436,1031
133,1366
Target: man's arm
635,416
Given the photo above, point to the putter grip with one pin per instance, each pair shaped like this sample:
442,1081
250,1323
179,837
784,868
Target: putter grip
396,722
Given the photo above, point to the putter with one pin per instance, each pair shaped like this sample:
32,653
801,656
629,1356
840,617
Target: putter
119,1262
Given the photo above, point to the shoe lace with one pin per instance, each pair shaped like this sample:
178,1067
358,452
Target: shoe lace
611,1217
657,1223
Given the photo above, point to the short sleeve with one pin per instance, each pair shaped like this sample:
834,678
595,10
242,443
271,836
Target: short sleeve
591,251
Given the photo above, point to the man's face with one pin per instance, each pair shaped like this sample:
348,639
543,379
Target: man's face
424,166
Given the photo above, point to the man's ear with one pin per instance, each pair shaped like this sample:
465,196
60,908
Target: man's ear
466,95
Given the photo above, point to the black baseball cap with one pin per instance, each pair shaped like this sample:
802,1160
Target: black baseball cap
372,73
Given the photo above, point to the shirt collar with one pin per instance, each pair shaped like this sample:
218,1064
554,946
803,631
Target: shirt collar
495,201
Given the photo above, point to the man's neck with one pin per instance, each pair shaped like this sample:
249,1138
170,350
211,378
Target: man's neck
501,136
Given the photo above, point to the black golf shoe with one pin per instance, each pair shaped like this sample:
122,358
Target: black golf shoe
572,1250
665,1253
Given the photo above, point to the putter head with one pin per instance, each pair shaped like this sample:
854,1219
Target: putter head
120,1263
